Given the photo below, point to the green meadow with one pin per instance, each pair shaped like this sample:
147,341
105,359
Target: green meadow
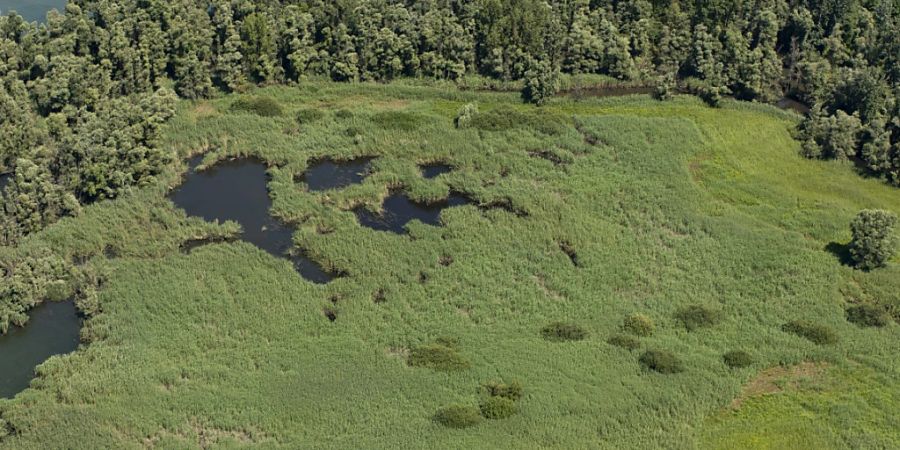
611,207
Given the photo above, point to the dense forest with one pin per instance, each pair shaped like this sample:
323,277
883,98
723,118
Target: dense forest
83,96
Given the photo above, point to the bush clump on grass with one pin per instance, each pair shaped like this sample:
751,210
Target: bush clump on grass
458,416
623,341
506,118
737,359
661,361
512,391
261,106
497,408
873,241
398,120
465,115
438,357
343,114
308,115
638,325
562,331
868,315
698,316
818,334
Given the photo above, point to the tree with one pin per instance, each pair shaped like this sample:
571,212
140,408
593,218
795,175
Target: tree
541,82
873,242
829,137
33,200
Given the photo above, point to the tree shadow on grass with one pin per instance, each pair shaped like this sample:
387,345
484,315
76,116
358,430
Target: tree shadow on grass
841,252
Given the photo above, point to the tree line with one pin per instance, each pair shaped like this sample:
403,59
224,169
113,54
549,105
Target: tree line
83,95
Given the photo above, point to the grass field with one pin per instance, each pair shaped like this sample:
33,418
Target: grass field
663,205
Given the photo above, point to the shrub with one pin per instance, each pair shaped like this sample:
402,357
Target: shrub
458,416
818,334
665,87
541,82
639,325
464,116
697,316
561,331
868,315
396,120
737,359
261,106
661,361
506,118
623,341
309,115
438,357
343,114
497,408
873,241
512,391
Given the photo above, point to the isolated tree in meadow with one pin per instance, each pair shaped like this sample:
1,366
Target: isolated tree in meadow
541,82
873,242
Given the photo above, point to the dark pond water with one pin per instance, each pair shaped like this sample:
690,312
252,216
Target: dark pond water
236,190
327,174
32,10
398,210
430,171
793,105
4,180
51,330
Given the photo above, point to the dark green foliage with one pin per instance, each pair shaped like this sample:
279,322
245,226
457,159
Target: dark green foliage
309,115
398,120
541,82
873,242
513,391
261,106
498,408
458,416
737,359
562,331
816,333
624,341
438,357
343,114
638,325
661,361
867,315
502,119
698,316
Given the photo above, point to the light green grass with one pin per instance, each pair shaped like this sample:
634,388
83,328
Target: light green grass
678,204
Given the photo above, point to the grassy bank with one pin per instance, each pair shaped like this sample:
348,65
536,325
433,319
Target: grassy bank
663,205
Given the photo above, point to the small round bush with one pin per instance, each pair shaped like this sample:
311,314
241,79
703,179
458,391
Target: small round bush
308,115
343,114
868,315
818,334
512,391
737,359
458,416
497,408
698,316
623,341
465,115
437,357
261,106
638,325
873,241
661,361
561,331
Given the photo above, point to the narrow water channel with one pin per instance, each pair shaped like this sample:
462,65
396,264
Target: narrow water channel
327,174
236,190
398,210
434,170
52,329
